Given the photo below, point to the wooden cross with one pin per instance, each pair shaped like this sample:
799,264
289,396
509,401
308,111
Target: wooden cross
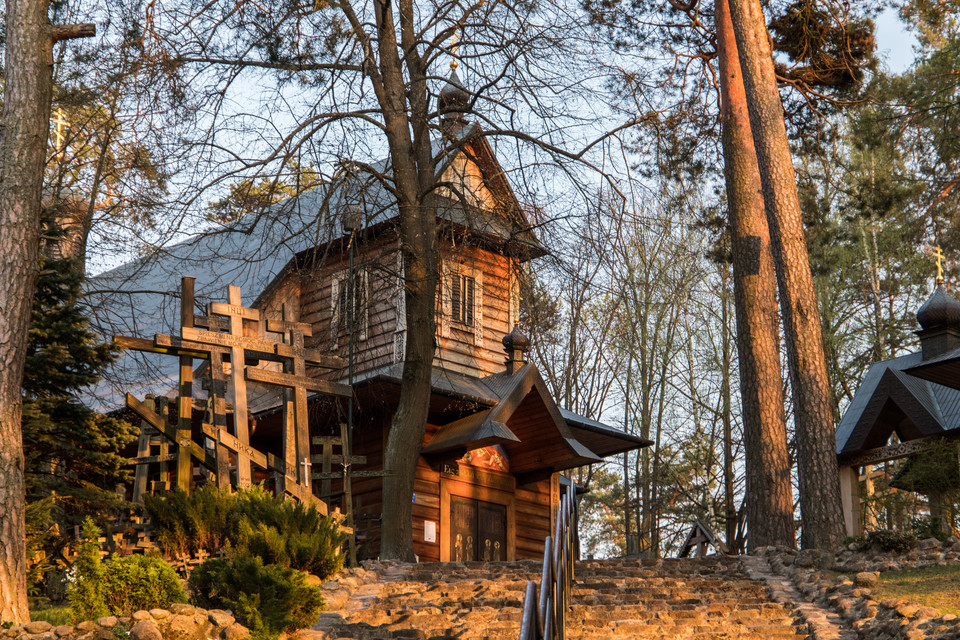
938,254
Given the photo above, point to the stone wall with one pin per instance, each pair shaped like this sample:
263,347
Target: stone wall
180,622
844,583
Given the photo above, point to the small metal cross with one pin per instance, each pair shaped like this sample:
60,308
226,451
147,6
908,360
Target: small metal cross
306,471
938,254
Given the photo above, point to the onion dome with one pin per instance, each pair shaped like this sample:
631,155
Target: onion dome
517,341
941,310
454,98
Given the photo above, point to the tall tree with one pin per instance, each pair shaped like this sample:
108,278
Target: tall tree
28,85
769,503
818,473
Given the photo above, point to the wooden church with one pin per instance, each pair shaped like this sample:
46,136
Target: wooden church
906,408
489,476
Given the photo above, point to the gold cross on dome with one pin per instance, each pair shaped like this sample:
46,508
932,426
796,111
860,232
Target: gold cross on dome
938,254
60,121
453,51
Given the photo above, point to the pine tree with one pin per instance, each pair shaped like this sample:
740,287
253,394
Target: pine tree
71,452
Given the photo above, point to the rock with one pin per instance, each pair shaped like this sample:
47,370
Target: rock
928,544
105,634
220,618
867,579
907,610
949,617
235,632
159,614
123,621
141,615
925,613
39,626
107,622
63,630
184,627
335,600
86,626
182,609
145,630
312,580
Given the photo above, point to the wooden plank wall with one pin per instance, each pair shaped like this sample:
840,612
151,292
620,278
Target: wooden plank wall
458,351
379,260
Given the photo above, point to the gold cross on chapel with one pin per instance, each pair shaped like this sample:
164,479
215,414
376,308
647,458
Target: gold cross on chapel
60,121
938,254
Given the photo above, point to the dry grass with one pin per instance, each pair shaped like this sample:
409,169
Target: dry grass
937,587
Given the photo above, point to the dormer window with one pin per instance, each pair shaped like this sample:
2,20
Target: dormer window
463,298
461,306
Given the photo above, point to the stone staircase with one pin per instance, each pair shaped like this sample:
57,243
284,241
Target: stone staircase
665,599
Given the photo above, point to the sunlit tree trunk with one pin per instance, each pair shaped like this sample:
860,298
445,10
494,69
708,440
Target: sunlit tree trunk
817,469
770,503
28,90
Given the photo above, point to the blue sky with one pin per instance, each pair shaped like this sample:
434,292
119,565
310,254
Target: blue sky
894,43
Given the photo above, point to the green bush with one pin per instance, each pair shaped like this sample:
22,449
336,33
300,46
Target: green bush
266,598
86,594
185,524
254,522
890,541
140,582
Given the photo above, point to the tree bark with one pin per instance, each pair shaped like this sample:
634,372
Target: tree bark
24,124
818,473
768,490
414,173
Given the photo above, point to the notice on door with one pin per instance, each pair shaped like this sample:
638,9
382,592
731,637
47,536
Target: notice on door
429,531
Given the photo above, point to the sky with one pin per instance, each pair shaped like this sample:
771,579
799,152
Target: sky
894,44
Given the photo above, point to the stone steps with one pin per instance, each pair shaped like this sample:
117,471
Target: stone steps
612,599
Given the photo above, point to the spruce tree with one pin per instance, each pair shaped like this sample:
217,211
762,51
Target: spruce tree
71,452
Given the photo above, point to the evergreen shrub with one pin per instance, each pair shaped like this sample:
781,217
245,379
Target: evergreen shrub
890,541
266,598
253,522
140,582
86,593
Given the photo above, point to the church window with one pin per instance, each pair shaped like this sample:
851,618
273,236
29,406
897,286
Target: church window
340,300
463,298
461,302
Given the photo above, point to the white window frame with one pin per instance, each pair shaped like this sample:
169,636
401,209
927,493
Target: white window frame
338,325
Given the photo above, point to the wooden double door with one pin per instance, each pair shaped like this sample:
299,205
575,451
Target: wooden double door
478,530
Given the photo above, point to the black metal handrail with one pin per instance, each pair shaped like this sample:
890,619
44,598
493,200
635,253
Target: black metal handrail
544,618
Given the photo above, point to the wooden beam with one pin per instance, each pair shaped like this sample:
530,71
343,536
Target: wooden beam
158,423
185,392
224,437
233,310
293,381
890,452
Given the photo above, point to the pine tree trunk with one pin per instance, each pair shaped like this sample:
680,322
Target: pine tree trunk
769,499
23,143
818,473
24,124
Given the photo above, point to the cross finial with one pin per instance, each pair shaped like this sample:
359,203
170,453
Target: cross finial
60,121
453,51
938,254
